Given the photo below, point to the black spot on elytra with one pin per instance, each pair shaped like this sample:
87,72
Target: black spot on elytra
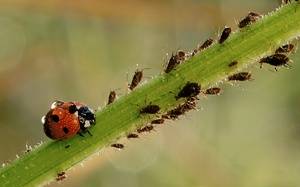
72,109
47,131
66,130
55,118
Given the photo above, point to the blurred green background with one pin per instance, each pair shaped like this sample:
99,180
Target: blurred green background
79,50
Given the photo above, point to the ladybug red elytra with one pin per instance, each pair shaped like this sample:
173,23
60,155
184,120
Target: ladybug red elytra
67,119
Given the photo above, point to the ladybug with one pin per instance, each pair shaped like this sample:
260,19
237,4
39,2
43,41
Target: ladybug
67,119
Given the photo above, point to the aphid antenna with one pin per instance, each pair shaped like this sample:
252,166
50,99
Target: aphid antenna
104,101
165,61
144,76
115,90
235,85
250,72
235,21
144,69
216,33
165,55
127,85
203,95
262,66
296,46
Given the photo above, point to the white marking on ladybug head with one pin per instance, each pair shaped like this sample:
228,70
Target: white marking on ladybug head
43,119
87,123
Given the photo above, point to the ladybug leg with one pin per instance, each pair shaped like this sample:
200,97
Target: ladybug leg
89,132
85,130
80,134
67,145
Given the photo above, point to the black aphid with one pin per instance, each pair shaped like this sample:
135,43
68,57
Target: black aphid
276,60
147,128
132,135
112,96
250,18
181,55
158,121
212,91
61,176
118,146
191,89
180,110
206,44
234,63
150,109
285,49
173,62
241,76
225,34
138,75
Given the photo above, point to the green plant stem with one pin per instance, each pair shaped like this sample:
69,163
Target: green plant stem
115,121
